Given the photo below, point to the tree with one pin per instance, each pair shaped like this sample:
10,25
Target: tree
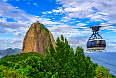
58,42
52,51
102,72
62,38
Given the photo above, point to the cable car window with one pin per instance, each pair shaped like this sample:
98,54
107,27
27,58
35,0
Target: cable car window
87,44
95,43
102,41
92,44
98,41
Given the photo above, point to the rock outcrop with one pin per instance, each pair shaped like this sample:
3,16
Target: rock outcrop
37,38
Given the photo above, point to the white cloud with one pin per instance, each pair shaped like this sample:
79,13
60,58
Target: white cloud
49,12
87,31
3,19
28,3
114,47
81,24
78,21
104,13
65,19
44,13
59,10
15,7
4,0
16,41
108,26
24,19
35,4
66,30
98,17
113,29
97,10
78,41
111,42
74,9
18,34
10,43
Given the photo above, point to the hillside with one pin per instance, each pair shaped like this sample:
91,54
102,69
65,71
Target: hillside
10,51
1,51
61,64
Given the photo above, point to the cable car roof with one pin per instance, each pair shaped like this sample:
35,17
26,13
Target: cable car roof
96,39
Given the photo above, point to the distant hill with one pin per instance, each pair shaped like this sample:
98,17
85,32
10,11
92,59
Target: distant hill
1,51
10,51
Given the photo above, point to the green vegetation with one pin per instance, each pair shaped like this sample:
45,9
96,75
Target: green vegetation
35,26
60,64
20,57
43,27
35,38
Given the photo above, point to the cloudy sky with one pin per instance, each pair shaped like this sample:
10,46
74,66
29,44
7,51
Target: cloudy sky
60,17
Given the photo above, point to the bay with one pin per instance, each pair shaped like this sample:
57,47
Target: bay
0,56
107,59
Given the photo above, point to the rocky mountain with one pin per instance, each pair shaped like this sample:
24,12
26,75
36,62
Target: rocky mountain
37,38
10,51
1,51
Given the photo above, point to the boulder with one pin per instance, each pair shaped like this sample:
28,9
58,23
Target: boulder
37,38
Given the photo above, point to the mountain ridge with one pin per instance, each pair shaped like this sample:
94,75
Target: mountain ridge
10,51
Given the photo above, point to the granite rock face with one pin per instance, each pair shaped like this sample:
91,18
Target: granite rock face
37,38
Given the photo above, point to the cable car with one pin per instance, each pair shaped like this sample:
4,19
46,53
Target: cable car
97,43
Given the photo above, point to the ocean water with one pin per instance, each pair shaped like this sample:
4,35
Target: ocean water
0,56
107,59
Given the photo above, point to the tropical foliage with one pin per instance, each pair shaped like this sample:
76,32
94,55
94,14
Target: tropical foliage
62,63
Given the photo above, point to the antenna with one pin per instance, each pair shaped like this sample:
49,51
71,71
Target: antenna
38,22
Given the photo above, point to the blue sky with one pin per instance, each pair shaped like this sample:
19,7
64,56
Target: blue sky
59,16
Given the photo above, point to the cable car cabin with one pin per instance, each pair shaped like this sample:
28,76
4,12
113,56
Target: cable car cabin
96,45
